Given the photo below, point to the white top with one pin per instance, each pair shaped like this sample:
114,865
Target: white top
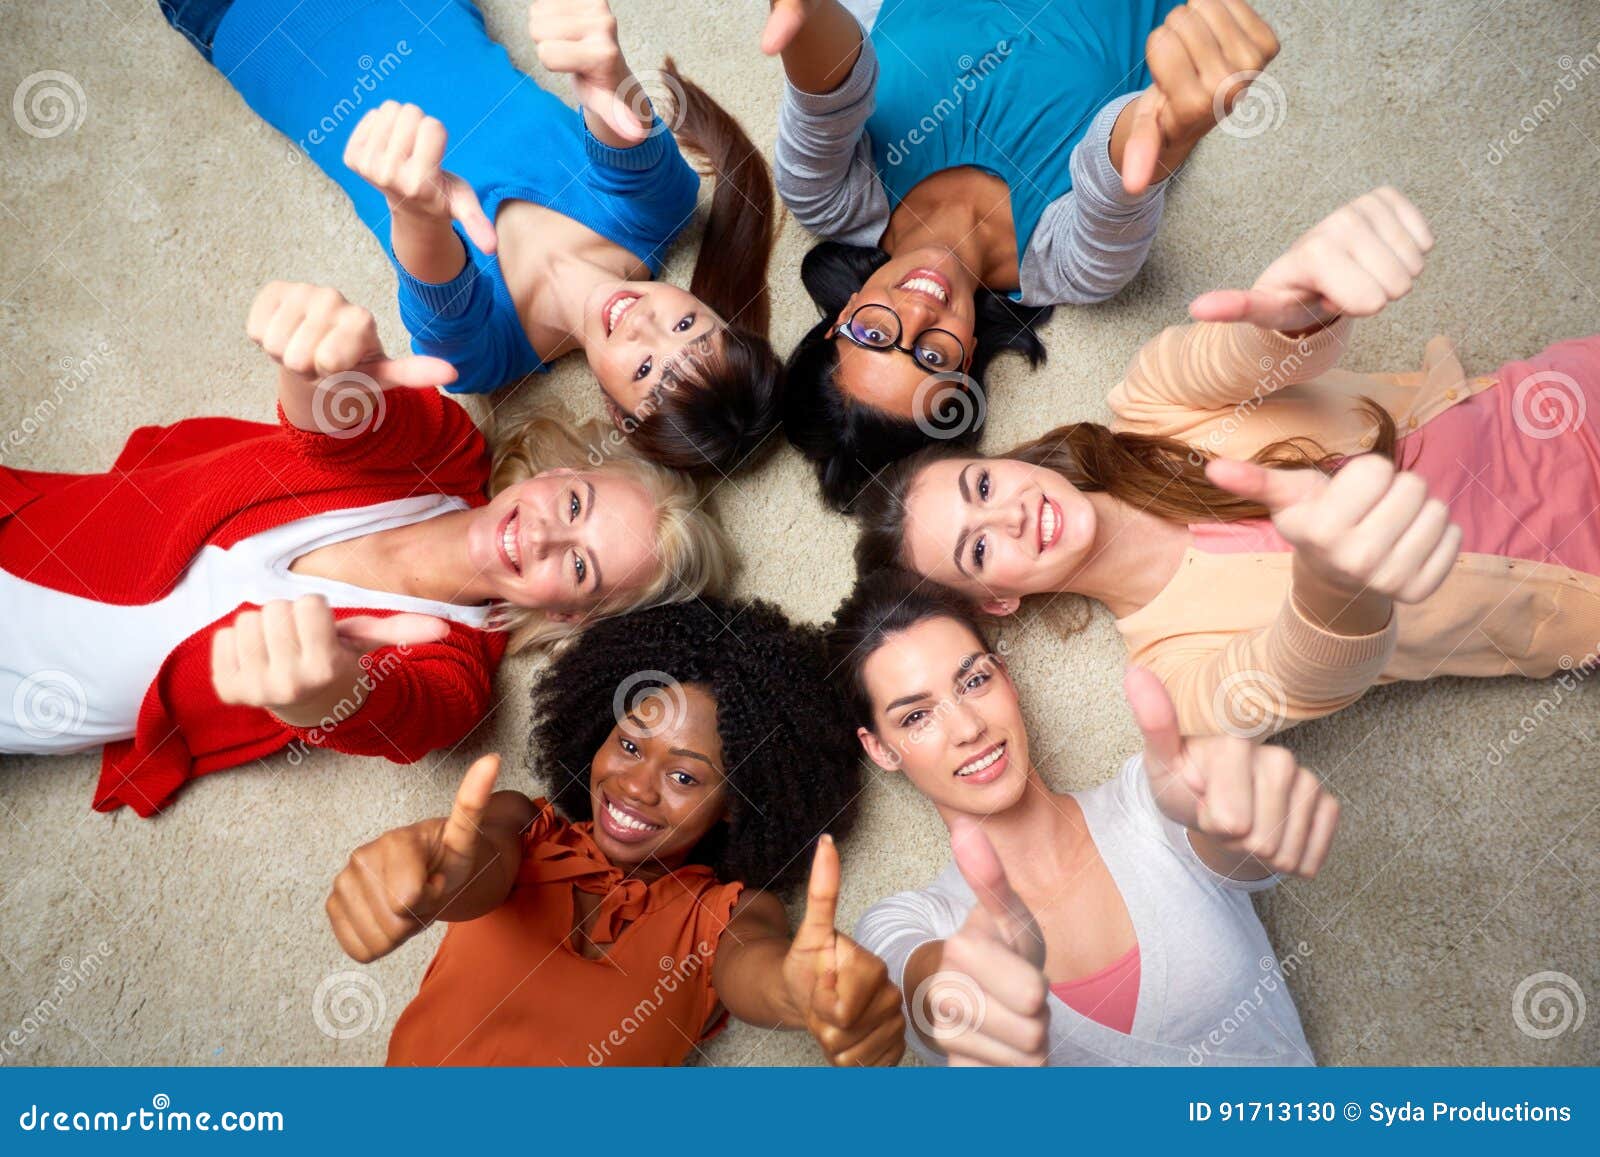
1211,990
74,671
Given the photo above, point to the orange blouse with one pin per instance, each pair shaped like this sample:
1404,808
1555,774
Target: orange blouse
509,988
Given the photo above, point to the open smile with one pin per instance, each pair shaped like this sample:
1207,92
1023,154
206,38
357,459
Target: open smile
986,767
928,283
1050,521
619,303
623,823
506,542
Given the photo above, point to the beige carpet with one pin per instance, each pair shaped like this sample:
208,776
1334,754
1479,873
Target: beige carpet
133,243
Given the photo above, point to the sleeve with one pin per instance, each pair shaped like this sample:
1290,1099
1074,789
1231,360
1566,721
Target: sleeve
1136,798
1260,682
1188,374
823,162
714,911
894,928
408,430
460,321
419,699
1092,241
659,185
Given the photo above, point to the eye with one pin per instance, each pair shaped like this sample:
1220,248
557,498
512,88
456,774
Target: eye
574,506
682,778
643,371
932,359
628,745
983,485
976,680
875,336
579,567
685,324
980,550
914,718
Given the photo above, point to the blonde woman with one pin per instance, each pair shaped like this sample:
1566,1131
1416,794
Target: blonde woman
350,576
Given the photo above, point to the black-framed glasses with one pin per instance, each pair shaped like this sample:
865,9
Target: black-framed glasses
877,327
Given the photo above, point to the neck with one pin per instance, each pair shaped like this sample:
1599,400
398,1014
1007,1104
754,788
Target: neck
577,278
1134,556
962,210
1037,834
428,560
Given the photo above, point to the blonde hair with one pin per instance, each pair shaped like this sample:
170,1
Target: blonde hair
693,549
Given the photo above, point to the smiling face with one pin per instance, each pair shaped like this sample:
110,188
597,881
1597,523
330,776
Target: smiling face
634,332
997,529
566,541
927,289
656,791
945,713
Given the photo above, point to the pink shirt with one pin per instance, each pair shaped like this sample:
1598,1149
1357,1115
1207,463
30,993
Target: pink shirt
1518,464
1109,996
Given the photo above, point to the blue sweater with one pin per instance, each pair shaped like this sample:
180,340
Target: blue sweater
313,70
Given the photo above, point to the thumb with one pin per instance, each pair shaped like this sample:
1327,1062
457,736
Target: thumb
467,209
783,24
816,929
1275,489
369,632
1157,718
1264,309
1143,146
410,371
463,829
980,866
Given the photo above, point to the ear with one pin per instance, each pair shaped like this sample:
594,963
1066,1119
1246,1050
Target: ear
1000,607
613,411
845,311
880,753
563,616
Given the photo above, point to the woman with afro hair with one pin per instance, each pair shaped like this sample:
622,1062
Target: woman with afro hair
696,753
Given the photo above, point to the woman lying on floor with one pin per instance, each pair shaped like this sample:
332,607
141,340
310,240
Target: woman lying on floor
347,577
972,163
531,231
1274,535
621,921
1109,926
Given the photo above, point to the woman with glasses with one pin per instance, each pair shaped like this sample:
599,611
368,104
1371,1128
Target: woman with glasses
971,163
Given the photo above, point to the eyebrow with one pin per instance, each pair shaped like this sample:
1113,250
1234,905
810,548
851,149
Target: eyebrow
907,700
705,759
966,667
594,560
966,532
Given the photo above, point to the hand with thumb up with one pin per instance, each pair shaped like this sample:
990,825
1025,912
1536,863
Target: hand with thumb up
1365,536
986,1002
851,1007
458,867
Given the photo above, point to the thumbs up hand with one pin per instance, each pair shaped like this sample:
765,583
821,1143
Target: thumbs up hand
851,1007
990,971
1368,530
1252,802
401,882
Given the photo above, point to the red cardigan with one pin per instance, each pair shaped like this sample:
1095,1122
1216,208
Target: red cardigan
127,536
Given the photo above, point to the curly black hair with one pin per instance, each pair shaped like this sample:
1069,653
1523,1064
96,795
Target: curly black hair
790,752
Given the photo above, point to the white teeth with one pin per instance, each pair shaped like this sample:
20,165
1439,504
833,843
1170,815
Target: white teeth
1047,523
978,765
616,312
508,540
926,285
623,819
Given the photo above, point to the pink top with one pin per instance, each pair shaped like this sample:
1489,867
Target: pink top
1109,996
1519,466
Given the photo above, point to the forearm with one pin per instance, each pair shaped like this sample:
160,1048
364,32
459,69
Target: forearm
749,981
1337,609
1168,160
824,51
923,963
426,246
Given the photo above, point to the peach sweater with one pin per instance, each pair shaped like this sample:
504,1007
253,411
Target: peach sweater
1225,634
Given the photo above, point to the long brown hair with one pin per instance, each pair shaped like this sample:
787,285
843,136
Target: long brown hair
1160,475
728,400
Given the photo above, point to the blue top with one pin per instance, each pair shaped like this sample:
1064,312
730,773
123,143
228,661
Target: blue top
313,72
1008,87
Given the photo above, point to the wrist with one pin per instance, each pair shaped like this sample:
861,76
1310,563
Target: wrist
328,708
1335,604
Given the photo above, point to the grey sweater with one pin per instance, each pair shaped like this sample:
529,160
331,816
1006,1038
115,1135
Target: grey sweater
1088,244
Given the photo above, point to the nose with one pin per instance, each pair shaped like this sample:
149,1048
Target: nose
634,321
543,538
638,783
963,724
917,313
